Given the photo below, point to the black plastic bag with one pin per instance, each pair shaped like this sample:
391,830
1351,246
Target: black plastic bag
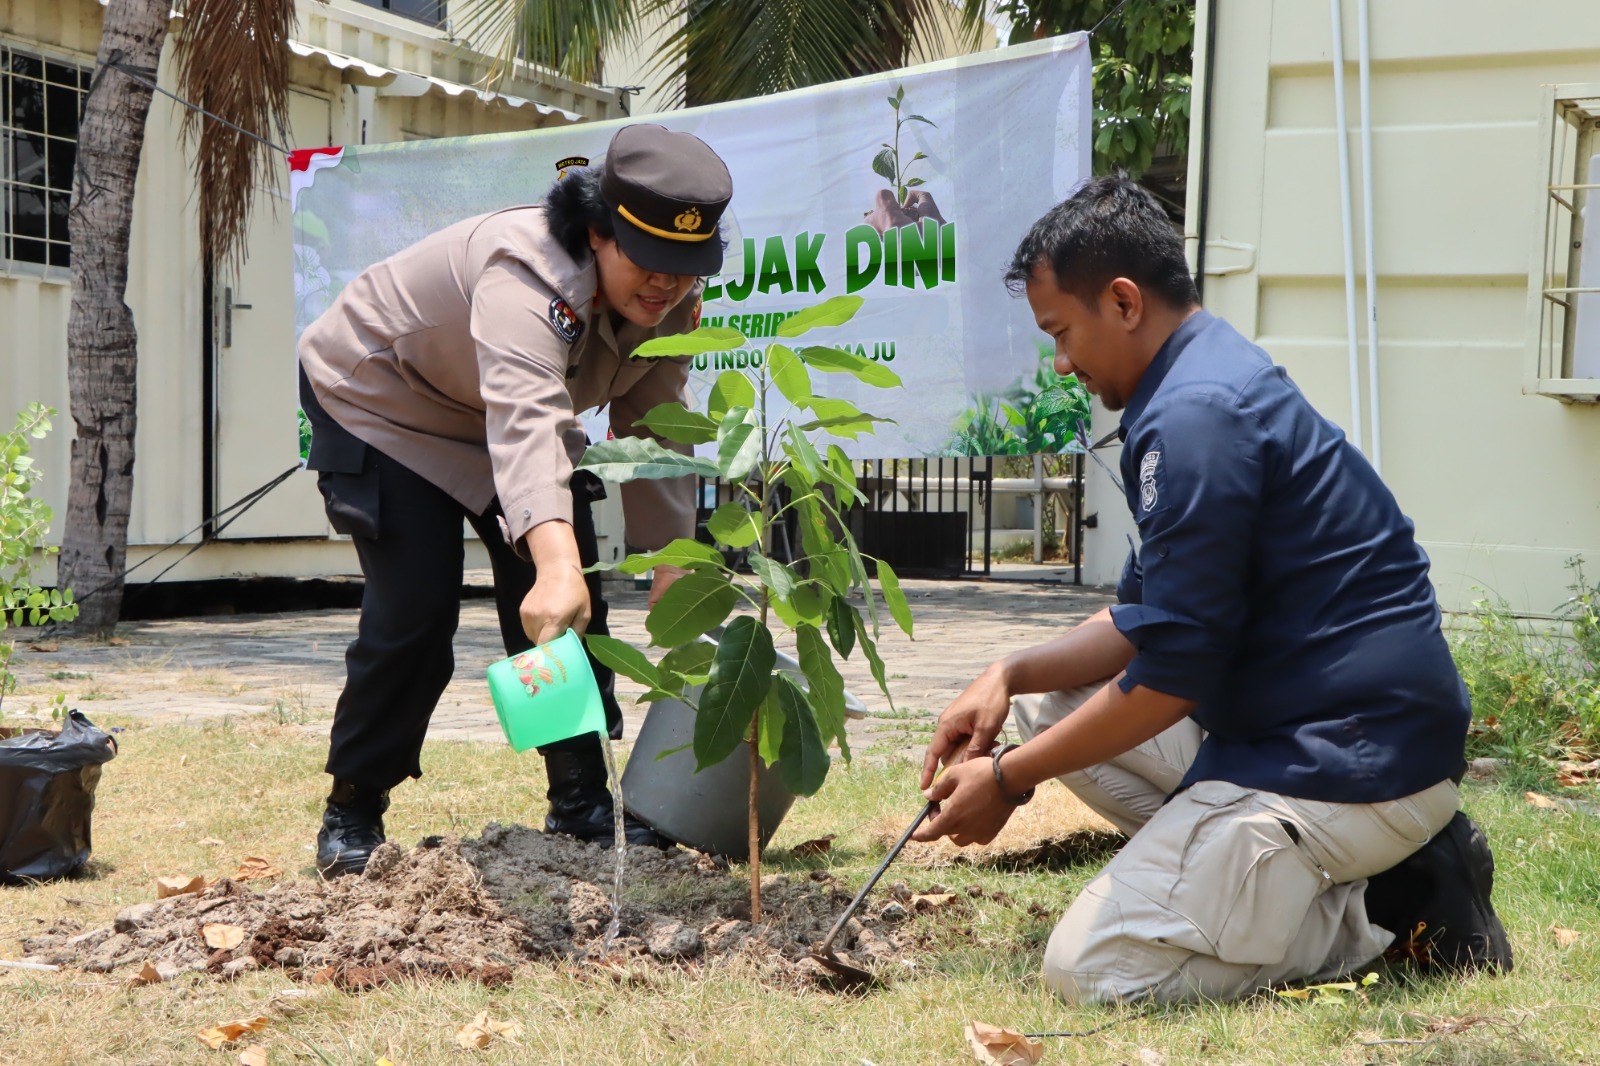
47,783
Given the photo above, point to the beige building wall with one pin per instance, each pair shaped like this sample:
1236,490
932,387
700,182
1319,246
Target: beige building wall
360,75
1504,485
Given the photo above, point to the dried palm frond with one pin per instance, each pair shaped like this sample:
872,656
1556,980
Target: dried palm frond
232,62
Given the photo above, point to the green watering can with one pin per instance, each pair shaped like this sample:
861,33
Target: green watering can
547,694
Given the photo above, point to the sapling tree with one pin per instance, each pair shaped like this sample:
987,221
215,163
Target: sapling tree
764,434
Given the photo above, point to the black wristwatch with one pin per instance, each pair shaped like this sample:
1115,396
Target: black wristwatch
1000,781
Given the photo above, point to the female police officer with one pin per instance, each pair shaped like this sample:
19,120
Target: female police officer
445,383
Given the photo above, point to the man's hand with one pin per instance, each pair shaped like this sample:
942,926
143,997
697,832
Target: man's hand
559,599
661,579
971,809
968,726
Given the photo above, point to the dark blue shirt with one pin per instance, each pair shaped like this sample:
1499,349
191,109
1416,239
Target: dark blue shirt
1278,585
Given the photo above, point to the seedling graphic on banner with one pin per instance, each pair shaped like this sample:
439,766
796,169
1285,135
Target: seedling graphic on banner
908,189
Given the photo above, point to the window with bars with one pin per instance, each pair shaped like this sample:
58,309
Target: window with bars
1564,283
41,100
430,11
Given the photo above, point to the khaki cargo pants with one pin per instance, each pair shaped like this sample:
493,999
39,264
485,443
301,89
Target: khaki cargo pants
1223,890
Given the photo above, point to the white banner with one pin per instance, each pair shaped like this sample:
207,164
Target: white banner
910,189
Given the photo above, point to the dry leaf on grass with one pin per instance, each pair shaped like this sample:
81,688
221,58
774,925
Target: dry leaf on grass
482,1030
46,648
930,901
1151,1056
1565,938
209,842
118,642
147,976
1544,803
819,846
254,868
254,1055
222,937
994,1046
1576,774
178,886
228,1032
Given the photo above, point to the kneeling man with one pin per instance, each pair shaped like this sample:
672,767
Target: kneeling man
1270,711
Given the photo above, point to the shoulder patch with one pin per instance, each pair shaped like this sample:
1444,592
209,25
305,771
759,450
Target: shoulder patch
564,322
1147,479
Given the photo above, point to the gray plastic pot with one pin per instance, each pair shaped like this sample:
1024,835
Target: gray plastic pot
705,810
708,810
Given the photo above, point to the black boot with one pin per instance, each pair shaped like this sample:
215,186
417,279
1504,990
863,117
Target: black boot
352,825
581,804
1437,903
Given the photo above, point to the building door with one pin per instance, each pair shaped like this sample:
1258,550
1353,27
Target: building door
254,389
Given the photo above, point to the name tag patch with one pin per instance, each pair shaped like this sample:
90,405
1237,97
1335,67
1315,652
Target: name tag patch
566,324
1147,479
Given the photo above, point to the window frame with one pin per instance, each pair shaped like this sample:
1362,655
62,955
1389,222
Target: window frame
443,7
1569,134
10,266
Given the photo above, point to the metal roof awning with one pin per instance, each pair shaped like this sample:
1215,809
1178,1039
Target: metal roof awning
391,82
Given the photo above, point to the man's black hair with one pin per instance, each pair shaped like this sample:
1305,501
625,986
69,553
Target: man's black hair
1110,228
574,204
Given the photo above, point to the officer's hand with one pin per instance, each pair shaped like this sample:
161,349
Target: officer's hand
662,579
559,599
968,726
971,809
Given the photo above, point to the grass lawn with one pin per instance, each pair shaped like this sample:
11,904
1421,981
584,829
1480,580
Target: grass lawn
256,786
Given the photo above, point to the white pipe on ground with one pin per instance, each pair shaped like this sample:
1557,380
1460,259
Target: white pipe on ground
1366,210
1341,132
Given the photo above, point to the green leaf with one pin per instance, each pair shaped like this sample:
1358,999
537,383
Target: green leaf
839,361
873,660
919,118
827,687
734,526
682,552
842,626
899,96
692,662
804,758
624,658
633,458
844,425
738,443
732,389
691,606
883,166
835,311
788,373
741,674
675,422
827,559
840,472
829,408
773,574
771,732
803,454
703,340
889,582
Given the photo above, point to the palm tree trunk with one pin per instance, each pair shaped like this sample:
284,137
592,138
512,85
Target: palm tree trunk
102,343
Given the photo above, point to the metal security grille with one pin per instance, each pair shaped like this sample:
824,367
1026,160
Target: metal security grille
40,103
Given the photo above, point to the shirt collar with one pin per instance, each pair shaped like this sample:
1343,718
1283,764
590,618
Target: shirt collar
1156,373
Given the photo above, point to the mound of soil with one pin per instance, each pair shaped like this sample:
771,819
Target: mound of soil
479,907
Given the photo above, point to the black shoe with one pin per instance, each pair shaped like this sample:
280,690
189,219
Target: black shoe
1437,904
581,804
352,825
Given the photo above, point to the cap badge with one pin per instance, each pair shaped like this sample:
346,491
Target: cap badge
688,221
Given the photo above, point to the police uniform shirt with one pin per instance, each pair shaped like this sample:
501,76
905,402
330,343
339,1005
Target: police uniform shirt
1278,585
467,356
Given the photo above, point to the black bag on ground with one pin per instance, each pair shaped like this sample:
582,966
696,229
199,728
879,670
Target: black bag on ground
47,783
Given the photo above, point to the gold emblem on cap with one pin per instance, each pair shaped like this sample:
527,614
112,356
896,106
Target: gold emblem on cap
688,221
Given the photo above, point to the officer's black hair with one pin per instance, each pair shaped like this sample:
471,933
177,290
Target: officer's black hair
572,206
1110,228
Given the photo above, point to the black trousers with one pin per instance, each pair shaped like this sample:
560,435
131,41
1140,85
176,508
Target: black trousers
407,532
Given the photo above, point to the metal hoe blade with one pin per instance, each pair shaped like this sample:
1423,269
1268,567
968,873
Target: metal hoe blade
855,976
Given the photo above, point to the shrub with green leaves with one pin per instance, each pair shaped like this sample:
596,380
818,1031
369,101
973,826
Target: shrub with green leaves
764,432
1035,417
24,523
